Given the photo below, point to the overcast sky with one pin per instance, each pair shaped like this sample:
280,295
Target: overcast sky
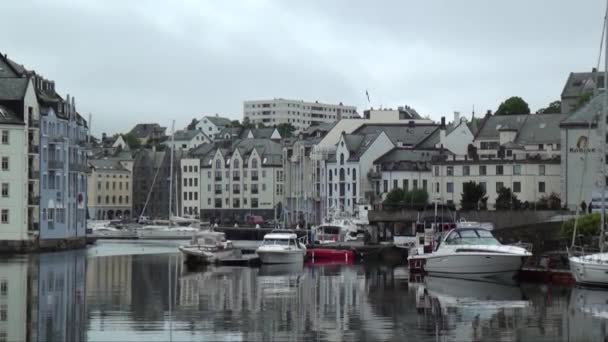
130,61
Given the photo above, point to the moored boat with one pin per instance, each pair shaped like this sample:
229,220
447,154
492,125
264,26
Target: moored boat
281,248
209,247
471,252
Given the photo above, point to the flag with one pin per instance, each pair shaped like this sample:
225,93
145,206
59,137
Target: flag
367,94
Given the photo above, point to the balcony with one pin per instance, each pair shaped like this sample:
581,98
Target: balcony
374,175
34,149
218,192
77,167
33,226
55,164
236,192
33,123
236,178
218,178
254,191
33,200
254,178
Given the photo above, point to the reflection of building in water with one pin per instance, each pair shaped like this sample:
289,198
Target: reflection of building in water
109,282
13,300
42,297
61,293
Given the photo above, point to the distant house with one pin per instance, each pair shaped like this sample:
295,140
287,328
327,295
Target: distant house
579,84
185,140
148,132
212,125
249,133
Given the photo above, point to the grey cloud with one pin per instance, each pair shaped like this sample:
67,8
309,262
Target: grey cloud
134,61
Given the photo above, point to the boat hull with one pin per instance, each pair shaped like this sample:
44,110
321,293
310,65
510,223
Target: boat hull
193,254
473,264
589,272
281,257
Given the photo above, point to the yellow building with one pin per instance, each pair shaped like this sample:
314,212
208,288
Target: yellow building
110,189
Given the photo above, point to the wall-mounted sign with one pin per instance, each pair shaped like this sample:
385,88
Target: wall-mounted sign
582,145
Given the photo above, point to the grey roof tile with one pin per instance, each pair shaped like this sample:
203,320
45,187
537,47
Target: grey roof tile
7,116
13,88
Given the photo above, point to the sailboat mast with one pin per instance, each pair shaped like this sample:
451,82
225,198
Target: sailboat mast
602,139
171,169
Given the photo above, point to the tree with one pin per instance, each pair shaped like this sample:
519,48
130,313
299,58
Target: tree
247,123
394,198
587,226
554,107
513,105
192,125
131,140
473,196
261,125
550,202
417,199
235,123
586,97
472,152
507,200
286,130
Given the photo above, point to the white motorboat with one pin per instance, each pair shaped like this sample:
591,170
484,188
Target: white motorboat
281,248
336,231
471,252
208,247
591,269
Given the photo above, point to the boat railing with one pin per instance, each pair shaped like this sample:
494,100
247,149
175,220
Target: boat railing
303,239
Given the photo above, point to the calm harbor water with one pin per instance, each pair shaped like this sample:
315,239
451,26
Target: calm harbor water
123,291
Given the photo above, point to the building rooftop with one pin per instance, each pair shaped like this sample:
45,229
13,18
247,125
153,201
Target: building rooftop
401,133
144,130
218,120
13,88
402,159
106,164
587,113
581,82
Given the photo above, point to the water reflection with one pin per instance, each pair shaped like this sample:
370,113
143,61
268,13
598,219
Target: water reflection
71,296
43,297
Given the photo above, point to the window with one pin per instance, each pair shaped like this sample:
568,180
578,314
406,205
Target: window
466,170
254,202
450,170
395,184
341,158
4,216
516,186
263,173
236,203
354,189
482,170
5,137
263,187
449,187
415,184
437,187
483,186
254,164
541,187
209,174
4,163
4,189
209,201
185,168
424,184
3,288
541,170
436,171
98,199
517,169
499,185
499,170
107,199
185,195
385,183
354,174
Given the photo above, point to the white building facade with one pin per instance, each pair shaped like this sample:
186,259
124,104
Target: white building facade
212,125
300,114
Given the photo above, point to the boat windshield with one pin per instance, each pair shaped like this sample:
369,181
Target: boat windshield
281,242
470,237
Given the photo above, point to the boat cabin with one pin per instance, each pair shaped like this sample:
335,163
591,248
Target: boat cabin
470,236
281,239
211,239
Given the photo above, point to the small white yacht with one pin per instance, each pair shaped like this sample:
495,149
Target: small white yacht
471,252
281,248
208,247
590,269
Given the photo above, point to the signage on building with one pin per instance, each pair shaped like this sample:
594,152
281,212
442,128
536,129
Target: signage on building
582,145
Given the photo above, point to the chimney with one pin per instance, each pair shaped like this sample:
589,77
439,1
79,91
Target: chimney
456,118
594,69
442,132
